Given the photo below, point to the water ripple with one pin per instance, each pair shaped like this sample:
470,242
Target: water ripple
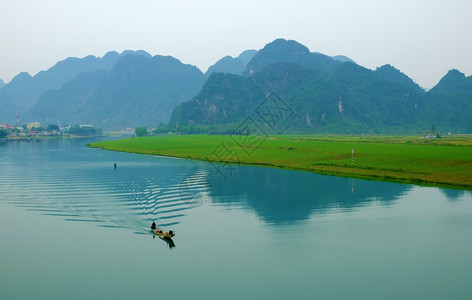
88,191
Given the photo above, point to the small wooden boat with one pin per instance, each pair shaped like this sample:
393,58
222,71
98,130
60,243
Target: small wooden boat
163,234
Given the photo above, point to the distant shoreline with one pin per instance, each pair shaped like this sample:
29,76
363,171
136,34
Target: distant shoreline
443,162
40,138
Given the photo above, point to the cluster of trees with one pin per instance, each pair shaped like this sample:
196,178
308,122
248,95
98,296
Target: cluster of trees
141,131
161,129
49,128
84,130
52,127
3,133
214,129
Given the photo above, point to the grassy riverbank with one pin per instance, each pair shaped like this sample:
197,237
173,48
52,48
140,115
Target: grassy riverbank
444,162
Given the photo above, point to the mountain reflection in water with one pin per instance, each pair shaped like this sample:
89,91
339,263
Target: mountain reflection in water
66,179
281,196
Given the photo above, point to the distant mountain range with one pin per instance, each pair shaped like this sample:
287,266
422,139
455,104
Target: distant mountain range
288,89
231,65
24,90
139,90
313,92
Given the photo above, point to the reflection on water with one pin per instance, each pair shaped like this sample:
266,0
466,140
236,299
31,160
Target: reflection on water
454,195
281,196
168,240
89,185
342,238
63,178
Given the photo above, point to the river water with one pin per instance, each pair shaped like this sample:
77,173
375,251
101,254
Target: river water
75,227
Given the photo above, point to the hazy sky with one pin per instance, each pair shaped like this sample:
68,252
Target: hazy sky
424,39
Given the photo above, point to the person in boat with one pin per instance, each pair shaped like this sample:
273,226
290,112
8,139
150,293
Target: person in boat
153,225
170,232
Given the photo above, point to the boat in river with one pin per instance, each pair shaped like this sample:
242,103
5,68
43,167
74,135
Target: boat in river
163,234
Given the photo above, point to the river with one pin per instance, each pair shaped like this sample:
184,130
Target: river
74,226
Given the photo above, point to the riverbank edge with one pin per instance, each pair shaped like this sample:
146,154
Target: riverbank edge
340,171
327,171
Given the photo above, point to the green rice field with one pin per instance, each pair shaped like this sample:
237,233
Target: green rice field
443,162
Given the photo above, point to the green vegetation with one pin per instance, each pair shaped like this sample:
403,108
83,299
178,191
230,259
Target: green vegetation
318,95
141,131
53,127
161,128
325,97
3,133
352,100
446,161
84,130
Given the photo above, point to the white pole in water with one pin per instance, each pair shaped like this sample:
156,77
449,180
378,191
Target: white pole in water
352,151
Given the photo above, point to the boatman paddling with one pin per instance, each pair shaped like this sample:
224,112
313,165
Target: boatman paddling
153,225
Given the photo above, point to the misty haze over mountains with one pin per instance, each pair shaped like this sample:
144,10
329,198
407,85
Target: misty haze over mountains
326,94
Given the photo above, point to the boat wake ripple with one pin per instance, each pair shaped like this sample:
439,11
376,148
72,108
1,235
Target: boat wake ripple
110,198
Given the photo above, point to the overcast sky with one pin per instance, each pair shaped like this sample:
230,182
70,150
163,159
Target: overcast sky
422,38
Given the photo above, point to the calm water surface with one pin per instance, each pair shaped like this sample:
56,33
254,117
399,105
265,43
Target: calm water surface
74,227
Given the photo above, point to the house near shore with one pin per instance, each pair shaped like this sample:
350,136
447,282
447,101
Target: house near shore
6,126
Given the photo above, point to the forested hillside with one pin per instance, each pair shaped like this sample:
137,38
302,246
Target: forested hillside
324,95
